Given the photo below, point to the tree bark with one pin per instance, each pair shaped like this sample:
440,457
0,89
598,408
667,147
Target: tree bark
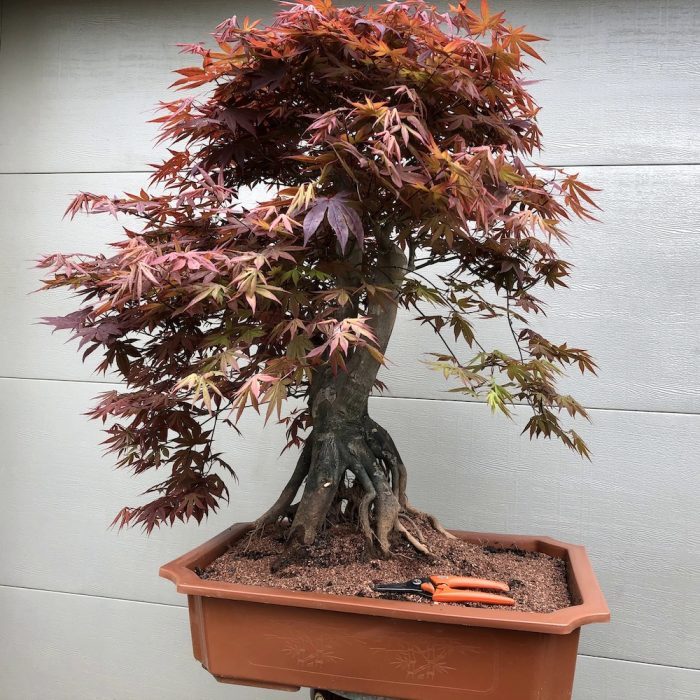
350,464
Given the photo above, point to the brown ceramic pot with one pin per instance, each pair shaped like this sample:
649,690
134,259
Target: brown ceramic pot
274,638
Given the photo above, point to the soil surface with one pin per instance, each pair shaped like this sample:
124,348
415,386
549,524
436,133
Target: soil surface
336,564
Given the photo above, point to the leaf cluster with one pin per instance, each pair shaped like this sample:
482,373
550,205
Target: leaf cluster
395,126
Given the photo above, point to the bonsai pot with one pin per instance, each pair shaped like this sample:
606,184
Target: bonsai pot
285,640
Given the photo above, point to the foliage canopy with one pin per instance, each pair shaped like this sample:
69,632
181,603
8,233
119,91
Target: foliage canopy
391,139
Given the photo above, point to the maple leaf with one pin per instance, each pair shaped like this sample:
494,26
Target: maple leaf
236,119
341,216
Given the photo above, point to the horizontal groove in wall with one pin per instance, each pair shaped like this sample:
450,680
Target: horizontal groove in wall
376,396
79,172
543,165
173,605
93,595
640,663
588,408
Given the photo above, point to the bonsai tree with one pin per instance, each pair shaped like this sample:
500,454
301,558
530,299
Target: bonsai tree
389,140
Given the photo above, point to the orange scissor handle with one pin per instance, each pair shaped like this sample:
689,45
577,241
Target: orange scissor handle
469,582
453,595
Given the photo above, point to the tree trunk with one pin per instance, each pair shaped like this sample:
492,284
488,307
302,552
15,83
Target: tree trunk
350,464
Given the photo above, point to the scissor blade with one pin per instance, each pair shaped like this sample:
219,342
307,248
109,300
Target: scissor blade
405,587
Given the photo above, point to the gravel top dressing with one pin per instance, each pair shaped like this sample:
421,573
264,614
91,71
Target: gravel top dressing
337,564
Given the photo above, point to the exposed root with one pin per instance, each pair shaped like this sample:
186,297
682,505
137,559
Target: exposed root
383,446
416,529
366,500
322,483
412,540
351,472
282,507
434,522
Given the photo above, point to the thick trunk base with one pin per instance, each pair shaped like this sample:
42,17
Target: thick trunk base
352,473
350,465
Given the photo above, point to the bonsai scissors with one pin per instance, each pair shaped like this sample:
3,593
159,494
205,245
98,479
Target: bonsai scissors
452,589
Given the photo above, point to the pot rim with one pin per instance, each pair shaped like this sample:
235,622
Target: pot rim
582,583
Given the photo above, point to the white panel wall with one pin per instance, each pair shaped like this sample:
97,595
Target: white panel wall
83,613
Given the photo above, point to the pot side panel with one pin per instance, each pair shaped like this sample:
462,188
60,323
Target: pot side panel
288,646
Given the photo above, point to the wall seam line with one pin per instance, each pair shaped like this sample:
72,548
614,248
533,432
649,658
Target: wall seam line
641,663
93,595
457,402
538,165
679,164
183,607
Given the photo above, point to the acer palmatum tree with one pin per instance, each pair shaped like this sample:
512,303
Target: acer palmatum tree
390,139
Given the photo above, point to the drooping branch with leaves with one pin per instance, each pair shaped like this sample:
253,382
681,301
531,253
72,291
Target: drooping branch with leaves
388,140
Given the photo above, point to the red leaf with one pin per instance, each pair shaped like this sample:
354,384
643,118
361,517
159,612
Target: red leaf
314,217
342,218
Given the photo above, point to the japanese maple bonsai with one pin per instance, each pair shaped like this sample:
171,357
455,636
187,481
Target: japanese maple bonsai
390,140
